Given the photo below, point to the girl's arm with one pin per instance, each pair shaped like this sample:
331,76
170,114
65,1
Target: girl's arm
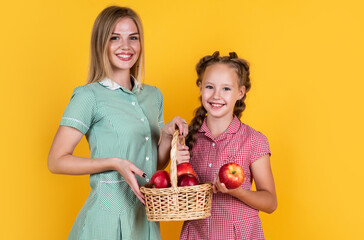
62,161
264,198
164,145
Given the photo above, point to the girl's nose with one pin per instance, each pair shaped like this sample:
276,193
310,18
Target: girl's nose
216,94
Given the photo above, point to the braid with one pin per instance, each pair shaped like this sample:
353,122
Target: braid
194,126
242,70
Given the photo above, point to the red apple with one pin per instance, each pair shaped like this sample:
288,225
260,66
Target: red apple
187,180
232,175
185,168
161,179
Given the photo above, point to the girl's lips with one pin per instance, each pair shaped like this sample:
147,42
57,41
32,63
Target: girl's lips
216,105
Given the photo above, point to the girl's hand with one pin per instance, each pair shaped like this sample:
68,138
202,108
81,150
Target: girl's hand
220,187
128,170
183,155
171,126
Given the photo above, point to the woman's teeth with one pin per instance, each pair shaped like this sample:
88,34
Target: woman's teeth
123,56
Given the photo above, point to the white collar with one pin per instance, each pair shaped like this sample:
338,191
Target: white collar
110,84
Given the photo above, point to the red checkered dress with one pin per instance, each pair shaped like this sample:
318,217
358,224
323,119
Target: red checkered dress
230,218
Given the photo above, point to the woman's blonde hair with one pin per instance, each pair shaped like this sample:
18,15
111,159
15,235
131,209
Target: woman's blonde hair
104,24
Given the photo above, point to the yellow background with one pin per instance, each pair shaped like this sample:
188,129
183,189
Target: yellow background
307,77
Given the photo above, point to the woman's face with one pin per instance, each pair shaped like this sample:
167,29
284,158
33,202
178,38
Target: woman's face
124,45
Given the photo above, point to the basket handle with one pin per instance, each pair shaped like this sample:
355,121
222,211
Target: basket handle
173,166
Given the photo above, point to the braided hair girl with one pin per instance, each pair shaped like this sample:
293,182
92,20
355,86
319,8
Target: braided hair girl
217,137
242,70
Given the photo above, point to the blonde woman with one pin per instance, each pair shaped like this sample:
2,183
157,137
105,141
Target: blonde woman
122,119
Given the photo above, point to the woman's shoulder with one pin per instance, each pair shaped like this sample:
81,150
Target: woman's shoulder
87,88
151,88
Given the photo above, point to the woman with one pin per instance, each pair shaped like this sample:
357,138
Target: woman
123,123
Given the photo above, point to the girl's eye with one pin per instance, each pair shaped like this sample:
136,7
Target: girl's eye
226,89
209,87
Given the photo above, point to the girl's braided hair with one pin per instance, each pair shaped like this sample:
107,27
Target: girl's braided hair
241,67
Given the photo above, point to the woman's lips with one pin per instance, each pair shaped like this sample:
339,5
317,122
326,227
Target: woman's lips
125,56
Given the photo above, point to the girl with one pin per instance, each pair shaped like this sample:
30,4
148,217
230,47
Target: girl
123,123
216,136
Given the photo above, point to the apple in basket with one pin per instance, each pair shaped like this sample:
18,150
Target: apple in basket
161,179
187,180
232,175
184,168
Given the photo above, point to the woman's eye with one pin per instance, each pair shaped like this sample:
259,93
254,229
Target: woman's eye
114,38
134,38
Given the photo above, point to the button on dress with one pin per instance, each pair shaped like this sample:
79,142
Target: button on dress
230,217
119,123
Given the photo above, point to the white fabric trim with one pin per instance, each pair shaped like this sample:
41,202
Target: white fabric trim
119,181
110,84
73,119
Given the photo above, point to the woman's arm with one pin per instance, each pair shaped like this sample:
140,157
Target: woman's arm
164,145
62,161
264,198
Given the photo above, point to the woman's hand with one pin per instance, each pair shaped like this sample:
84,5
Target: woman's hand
175,123
164,145
183,155
128,170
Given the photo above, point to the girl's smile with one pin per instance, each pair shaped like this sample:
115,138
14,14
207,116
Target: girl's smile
220,91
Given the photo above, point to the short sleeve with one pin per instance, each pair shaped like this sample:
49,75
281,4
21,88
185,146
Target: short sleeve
80,110
161,108
260,146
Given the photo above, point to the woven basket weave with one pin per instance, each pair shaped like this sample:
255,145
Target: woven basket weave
177,203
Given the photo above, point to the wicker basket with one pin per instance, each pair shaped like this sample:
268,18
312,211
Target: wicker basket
177,203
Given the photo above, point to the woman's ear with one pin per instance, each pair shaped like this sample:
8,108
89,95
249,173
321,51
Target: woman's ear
241,92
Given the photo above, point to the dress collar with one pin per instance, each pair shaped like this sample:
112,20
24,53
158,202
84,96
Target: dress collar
110,84
233,128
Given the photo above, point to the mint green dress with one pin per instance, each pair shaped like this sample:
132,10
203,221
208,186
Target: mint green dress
120,123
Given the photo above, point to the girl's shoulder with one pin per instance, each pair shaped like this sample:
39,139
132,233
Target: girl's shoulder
249,133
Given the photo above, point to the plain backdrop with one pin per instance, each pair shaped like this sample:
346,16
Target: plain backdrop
307,76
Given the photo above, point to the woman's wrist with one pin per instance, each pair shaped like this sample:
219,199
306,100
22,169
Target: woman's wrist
165,134
114,163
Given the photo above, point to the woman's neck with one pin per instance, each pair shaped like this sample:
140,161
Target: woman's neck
122,78
218,125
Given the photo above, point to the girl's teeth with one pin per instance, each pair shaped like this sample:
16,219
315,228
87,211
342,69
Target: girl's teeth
216,105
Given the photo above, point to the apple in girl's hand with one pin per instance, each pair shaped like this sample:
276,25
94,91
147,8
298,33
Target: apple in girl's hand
161,179
187,180
232,175
184,168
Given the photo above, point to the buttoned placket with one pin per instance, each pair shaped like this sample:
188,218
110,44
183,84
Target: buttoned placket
142,118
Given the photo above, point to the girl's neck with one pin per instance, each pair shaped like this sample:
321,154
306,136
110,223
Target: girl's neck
122,78
218,125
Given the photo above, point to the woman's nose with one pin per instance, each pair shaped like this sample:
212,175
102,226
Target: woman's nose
124,44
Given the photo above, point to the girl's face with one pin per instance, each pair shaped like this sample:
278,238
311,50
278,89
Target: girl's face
220,91
124,46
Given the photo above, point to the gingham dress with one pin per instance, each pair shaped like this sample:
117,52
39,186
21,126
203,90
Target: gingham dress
117,123
230,218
